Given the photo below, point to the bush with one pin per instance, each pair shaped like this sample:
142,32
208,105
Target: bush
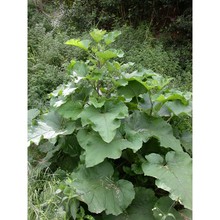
116,128
47,62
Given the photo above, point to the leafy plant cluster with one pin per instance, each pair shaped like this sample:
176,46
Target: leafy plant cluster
48,56
47,61
142,48
112,130
109,13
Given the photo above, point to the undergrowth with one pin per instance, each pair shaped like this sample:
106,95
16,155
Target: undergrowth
43,202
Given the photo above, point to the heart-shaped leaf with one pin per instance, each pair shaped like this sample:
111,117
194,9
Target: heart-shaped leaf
96,187
173,175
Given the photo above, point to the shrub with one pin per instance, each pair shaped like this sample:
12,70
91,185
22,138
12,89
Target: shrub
126,158
47,62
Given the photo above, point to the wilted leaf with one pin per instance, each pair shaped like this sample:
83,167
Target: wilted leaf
173,175
100,192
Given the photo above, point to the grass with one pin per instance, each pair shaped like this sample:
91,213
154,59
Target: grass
44,203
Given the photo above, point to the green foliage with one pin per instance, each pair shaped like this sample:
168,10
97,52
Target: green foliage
50,127
140,208
108,13
100,192
48,57
107,121
97,150
145,50
43,201
101,125
175,171
50,197
163,209
145,127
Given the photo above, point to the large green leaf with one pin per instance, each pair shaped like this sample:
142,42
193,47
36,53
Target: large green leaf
133,88
135,75
32,113
64,90
111,37
178,108
108,54
175,95
140,208
173,175
167,109
145,103
97,150
163,210
100,192
80,69
157,82
148,79
97,35
186,141
83,44
105,122
147,126
97,102
49,127
70,109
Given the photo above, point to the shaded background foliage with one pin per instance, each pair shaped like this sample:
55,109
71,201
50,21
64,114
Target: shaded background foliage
155,34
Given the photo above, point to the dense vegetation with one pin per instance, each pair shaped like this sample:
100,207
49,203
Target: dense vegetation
109,109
